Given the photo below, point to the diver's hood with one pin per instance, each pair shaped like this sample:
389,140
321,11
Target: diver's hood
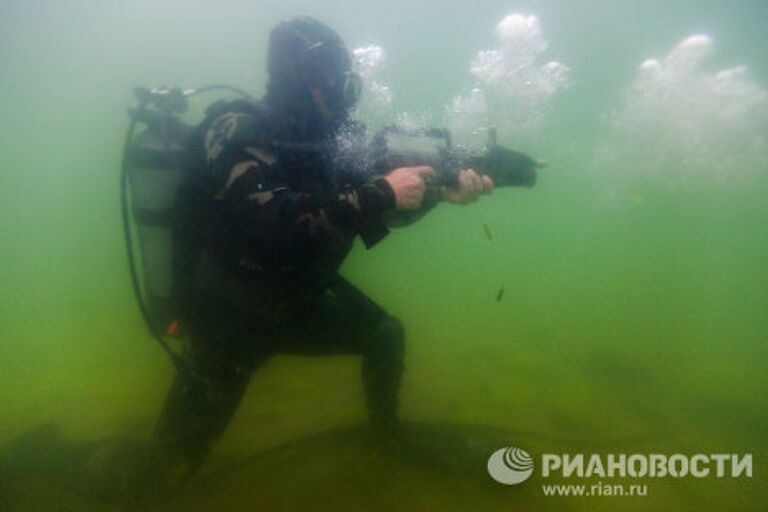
305,54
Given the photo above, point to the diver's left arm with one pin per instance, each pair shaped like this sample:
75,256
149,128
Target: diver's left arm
471,187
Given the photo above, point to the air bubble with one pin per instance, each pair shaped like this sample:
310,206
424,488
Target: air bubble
513,88
375,106
680,122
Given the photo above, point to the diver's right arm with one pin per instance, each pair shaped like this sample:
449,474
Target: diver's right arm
409,186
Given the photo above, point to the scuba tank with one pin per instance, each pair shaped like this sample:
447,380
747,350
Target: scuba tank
156,162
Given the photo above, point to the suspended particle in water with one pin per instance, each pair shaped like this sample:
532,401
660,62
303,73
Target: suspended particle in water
487,231
500,295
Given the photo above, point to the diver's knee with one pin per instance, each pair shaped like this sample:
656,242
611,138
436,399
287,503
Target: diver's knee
392,329
390,336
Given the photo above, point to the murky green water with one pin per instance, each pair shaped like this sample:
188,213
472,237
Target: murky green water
633,315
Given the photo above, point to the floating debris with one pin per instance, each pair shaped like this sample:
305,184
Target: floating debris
500,295
488,233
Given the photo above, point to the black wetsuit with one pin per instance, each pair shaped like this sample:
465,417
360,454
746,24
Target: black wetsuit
268,218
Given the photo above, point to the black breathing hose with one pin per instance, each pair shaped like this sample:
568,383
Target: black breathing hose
220,87
136,115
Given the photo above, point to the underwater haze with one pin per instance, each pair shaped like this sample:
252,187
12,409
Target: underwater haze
617,307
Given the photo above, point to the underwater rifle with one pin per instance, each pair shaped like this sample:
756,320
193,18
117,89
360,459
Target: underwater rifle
395,147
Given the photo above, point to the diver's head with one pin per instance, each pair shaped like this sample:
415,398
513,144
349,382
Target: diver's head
310,68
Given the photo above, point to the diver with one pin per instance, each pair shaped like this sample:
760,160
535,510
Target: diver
265,223
274,193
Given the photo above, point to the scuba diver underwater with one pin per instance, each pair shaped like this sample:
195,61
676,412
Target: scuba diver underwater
242,222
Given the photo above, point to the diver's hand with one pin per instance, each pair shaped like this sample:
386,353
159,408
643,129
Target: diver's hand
408,184
471,186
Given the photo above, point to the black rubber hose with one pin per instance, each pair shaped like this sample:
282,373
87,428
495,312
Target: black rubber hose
219,87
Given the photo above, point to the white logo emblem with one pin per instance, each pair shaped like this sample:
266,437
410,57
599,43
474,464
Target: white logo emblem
510,465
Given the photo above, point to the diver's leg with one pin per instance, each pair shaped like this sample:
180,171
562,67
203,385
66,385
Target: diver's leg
382,370
348,322
200,405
